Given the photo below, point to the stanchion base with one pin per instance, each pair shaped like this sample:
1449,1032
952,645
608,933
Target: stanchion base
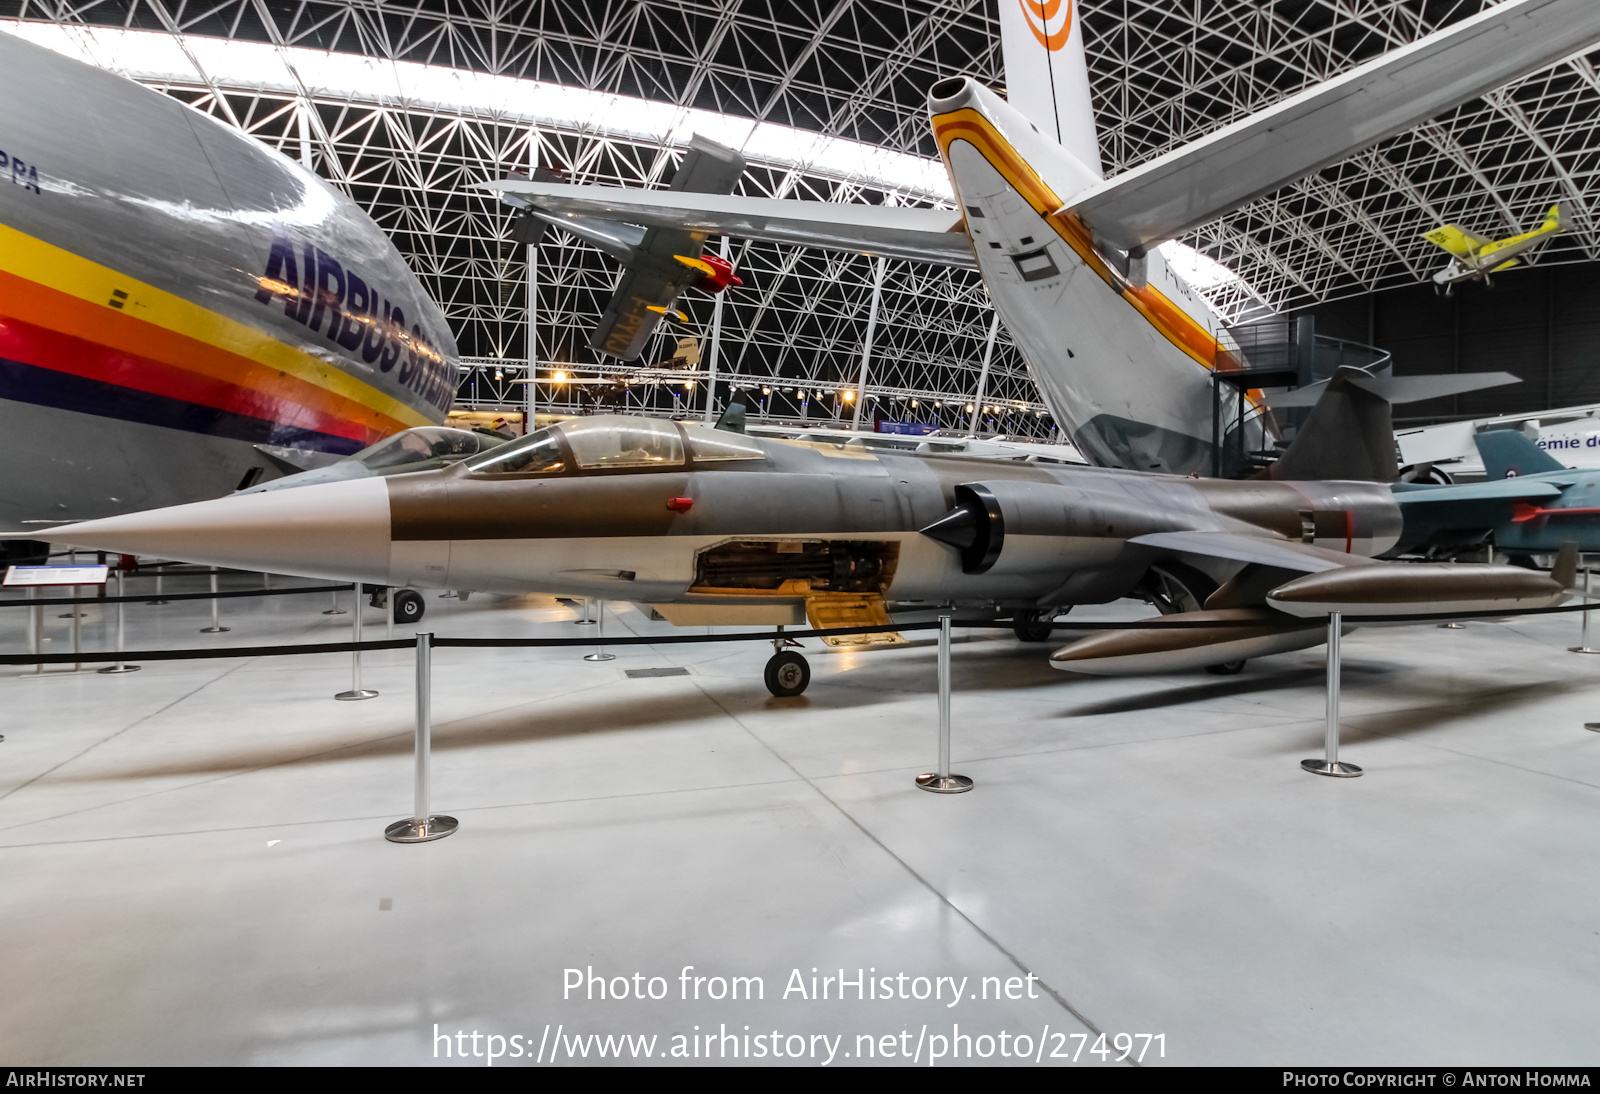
575,622
1338,769
214,630
352,696
118,668
599,657
334,611
1452,626
157,603
409,831
1581,649
944,784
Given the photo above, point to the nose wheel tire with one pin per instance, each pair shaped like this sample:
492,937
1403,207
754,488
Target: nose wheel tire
1226,668
408,606
787,674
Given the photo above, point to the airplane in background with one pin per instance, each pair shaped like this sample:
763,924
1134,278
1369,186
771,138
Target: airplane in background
1121,347
660,262
1473,258
173,295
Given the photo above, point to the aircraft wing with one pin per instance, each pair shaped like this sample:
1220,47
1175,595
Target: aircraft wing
920,235
1458,241
1239,547
643,296
1183,189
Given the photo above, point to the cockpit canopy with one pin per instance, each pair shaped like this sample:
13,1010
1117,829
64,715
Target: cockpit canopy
613,442
422,444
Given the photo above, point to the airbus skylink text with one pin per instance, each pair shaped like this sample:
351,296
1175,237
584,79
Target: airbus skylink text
865,984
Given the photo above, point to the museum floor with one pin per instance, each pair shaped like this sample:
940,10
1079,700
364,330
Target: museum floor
194,868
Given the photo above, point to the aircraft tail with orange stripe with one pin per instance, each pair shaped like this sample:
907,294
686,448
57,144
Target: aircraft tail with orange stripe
1047,75
1120,346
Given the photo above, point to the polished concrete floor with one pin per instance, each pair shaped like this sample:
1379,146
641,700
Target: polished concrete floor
192,867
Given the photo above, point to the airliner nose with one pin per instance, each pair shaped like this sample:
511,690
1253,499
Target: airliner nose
337,530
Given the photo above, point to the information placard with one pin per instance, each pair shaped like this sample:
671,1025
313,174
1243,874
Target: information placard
56,575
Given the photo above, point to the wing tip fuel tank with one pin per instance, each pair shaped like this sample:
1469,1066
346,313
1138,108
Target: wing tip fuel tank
1239,634
1434,588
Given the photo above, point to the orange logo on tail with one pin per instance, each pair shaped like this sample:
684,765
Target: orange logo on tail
1041,14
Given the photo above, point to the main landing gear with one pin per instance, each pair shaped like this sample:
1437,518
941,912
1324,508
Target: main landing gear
1030,625
787,672
407,605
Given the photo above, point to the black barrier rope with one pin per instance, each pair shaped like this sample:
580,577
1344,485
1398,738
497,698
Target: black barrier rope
89,656
144,598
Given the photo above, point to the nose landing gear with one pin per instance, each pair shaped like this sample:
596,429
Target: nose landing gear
787,672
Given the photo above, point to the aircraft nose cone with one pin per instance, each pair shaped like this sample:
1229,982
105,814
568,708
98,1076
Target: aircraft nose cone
338,531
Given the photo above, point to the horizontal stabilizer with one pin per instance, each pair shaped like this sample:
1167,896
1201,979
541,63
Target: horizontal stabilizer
920,235
1397,390
1390,94
1259,549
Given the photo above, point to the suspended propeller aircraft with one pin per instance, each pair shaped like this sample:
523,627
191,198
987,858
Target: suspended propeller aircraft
1473,258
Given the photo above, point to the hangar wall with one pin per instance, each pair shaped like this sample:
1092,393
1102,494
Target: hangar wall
1542,324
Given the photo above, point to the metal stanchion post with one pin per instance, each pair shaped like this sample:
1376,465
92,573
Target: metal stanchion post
77,616
388,614
336,610
158,599
1330,763
941,781
1583,642
422,825
119,666
584,620
356,690
600,653
36,627
216,607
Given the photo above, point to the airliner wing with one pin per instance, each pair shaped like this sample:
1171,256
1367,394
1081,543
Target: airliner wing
1183,189
922,235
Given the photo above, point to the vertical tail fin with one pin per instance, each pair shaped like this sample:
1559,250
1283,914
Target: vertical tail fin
1047,75
1508,452
1350,435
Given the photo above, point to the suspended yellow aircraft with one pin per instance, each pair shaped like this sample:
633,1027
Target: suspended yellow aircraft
1473,257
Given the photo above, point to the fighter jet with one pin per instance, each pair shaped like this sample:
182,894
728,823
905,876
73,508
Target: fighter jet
1530,505
173,294
709,526
1473,258
1121,348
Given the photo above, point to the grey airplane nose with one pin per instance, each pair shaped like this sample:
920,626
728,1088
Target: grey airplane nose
337,530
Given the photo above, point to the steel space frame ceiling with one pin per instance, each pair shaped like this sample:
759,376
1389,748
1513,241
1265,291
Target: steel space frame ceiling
1163,72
